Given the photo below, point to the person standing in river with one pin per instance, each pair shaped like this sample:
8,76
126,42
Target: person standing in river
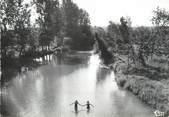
76,103
88,105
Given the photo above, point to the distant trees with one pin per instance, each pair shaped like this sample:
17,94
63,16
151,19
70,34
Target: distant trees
142,38
105,54
161,21
153,40
77,26
161,17
120,34
124,29
140,43
114,36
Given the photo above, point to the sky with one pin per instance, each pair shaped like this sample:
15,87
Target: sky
103,11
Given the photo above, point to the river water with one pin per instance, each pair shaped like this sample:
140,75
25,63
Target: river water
49,90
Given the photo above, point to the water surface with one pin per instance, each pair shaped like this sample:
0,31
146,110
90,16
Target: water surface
49,90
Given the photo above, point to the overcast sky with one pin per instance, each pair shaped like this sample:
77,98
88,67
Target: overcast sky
103,11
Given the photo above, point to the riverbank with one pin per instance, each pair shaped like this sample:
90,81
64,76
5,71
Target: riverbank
150,86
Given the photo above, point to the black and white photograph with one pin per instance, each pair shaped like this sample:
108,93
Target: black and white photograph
84,58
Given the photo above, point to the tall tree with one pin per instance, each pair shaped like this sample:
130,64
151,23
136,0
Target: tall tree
124,29
15,24
77,26
50,20
161,17
161,21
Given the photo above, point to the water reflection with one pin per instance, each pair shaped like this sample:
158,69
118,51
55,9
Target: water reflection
48,91
101,74
7,107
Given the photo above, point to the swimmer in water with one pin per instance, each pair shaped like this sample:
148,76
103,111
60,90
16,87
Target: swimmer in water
88,105
76,103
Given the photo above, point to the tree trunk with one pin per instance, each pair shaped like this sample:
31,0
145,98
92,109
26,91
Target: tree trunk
20,53
42,48
141,59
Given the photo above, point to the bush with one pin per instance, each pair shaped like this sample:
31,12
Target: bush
153,93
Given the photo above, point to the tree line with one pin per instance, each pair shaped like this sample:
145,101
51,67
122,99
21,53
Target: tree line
55,21
139,43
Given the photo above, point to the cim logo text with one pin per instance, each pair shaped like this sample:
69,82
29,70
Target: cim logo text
159,113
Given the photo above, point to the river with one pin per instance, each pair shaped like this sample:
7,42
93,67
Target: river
49,90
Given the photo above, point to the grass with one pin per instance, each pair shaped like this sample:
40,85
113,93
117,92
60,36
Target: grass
149,85
153,93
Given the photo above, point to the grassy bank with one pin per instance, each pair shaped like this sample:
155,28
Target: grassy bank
149,85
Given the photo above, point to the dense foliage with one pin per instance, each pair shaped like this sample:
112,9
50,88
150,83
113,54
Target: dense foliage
77,26
54,22
140,44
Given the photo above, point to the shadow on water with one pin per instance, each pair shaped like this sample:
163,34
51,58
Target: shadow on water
15,67
11,67
8,108
75,58
101,74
